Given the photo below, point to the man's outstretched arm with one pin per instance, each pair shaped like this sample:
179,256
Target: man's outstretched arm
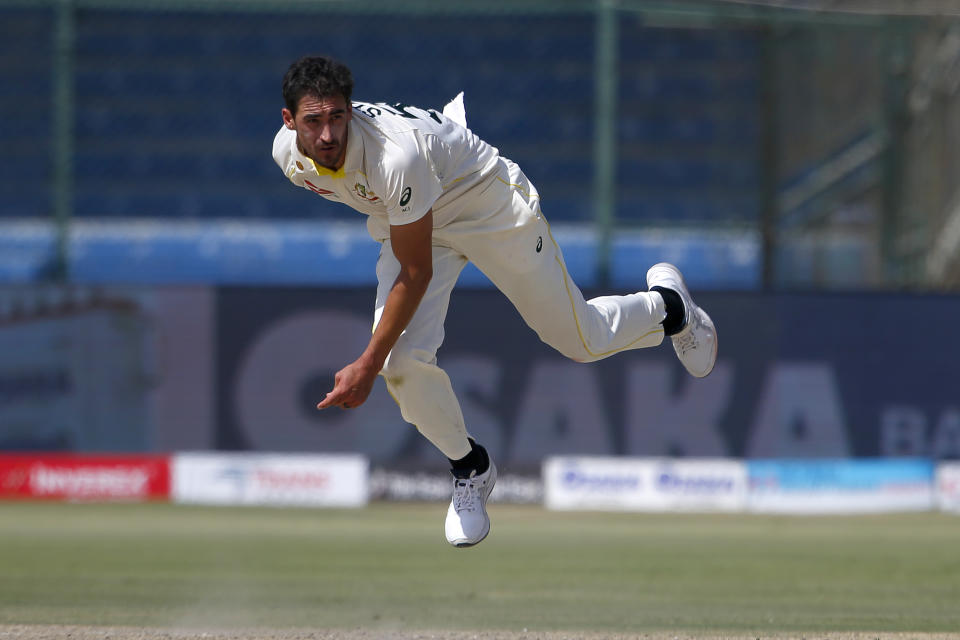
413,248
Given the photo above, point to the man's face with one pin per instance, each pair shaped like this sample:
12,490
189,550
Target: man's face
321,126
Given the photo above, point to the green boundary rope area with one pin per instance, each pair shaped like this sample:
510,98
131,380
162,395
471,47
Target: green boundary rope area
388,567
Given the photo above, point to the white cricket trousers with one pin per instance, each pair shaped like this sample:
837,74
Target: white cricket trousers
510,242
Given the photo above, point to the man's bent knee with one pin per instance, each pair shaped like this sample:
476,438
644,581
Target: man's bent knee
578,351
402,362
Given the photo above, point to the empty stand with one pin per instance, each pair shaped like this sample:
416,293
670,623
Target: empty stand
175,112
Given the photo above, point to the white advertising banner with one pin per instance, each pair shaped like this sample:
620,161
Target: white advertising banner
644,484
327,480
948,486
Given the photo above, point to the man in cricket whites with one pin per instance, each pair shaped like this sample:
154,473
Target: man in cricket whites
435,196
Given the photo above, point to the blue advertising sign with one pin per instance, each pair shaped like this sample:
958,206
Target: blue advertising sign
840,486
840,475
798,376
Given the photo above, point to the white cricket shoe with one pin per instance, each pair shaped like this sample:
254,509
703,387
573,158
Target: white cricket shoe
696,343
467,520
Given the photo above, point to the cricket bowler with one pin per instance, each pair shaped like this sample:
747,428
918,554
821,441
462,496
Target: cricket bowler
436,196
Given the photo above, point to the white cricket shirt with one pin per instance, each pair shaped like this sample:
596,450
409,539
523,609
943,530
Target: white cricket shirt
400,162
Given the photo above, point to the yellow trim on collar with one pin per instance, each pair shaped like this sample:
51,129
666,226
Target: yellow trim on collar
329,173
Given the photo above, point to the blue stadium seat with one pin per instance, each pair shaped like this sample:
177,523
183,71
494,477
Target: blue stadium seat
687,208
176,110
26,252
227,253
687,45
32,200
25,92
663,129
708,261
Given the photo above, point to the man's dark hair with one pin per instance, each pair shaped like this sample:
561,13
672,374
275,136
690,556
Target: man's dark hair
317,76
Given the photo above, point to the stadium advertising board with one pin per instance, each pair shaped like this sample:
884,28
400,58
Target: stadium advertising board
82,478
105,369
840,486
74,377
638,484
157,369
948,486
791,382
271,480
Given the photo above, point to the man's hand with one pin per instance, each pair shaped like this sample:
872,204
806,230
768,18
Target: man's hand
351,386
413,249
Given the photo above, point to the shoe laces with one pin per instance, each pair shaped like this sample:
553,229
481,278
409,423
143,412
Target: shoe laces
687,339
686,343
466,494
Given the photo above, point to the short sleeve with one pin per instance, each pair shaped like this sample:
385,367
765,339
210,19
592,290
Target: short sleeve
411,185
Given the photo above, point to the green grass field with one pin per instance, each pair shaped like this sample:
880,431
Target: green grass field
389,567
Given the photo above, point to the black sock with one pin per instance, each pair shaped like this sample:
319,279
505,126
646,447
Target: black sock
477,460
673,305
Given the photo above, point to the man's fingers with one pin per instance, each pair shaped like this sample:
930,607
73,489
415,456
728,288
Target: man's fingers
350,389
331,400
345,399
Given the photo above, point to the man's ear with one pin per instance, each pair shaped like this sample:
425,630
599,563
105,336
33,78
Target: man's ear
288,120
